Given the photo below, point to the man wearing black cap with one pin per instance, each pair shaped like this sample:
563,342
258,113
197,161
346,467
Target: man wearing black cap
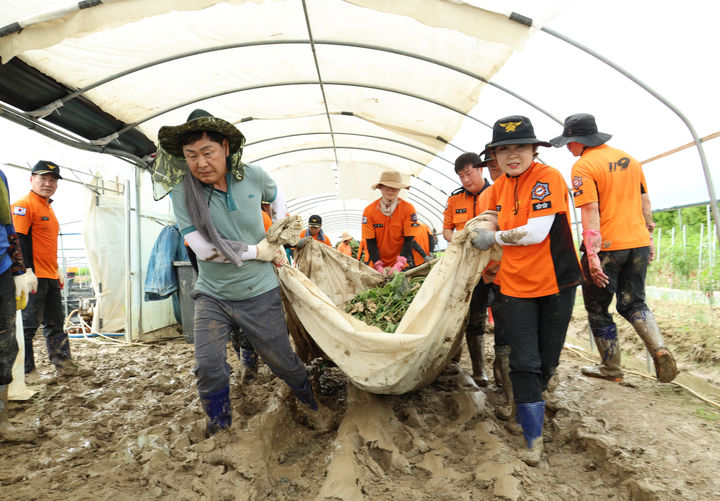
37,229
314,231
610,189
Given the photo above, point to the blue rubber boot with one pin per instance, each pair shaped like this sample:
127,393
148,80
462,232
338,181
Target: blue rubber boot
305,394
531,417
606,340
217,407
249,358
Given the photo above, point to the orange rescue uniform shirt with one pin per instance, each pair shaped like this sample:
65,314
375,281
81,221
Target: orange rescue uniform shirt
345,249
33,216
389,231
547,267
615,180
461,207
482,205
422,237
315,237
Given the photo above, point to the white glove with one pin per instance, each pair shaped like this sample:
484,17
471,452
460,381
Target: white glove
267,251
32,280
22,289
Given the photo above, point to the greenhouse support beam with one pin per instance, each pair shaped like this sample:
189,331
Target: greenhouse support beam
698,144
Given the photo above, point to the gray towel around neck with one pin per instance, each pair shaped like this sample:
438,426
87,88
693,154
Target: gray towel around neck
197,206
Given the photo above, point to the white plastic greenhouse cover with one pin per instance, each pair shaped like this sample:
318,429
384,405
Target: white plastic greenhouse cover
331,92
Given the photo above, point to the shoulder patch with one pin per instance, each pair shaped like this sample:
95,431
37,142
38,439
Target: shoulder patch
540,191
19,211
413,217
577,182
498,207
364,220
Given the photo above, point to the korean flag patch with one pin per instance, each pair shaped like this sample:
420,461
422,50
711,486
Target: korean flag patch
364,220
540,191
19,211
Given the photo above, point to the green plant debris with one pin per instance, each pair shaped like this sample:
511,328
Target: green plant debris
385,306
705,414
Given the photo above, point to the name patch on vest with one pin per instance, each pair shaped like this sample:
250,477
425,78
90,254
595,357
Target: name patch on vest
542,205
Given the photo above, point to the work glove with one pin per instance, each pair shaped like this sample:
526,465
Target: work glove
22,289
267,251
592,239
482,239
32,280
379,266
302,242
280,259
400,263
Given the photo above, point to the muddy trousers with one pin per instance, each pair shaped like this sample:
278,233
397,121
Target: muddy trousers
8,342
262,321
475,330
536,329
45,308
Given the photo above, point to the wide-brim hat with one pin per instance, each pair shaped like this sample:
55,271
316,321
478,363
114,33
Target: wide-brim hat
393,179
580,128
345,236
515,129
199,120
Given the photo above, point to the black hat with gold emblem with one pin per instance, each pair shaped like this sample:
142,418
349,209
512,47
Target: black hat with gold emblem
45,167
515,129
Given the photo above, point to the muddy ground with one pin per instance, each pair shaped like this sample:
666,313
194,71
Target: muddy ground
135,431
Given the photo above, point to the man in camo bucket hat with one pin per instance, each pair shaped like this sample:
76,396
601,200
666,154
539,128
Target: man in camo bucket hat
217,207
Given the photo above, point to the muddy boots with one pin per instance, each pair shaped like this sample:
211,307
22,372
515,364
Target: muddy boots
8,432
647,328
501,371
305,394
606,340
218,409
474,338
249,365
531,417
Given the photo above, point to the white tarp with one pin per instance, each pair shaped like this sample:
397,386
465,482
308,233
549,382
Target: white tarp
423,342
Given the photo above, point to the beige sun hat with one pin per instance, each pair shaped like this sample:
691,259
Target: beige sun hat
393,179
345,236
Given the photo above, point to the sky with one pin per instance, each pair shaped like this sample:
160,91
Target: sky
667,44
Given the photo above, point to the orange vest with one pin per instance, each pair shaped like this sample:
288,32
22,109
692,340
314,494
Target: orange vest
33,216
422,237
549,266
345,249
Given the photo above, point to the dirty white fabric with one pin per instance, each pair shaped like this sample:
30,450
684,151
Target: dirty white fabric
378,362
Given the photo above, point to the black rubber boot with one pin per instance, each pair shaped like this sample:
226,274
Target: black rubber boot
305,394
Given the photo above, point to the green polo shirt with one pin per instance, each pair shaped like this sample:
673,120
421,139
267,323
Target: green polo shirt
237,216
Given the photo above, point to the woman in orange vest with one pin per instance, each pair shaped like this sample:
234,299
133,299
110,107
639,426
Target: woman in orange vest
539,271
344,246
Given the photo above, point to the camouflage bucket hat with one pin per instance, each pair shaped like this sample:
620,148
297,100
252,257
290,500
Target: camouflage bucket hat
199,120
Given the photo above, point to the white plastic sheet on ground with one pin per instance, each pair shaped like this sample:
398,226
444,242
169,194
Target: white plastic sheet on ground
425,339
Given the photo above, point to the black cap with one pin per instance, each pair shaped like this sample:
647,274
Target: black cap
580,128
45,167
515,129
315,221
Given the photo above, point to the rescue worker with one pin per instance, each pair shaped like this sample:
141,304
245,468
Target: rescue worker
236,285
37,229
314,231
463,205
609,187
362,253
389,225
423,245
539,271
344,245
16,284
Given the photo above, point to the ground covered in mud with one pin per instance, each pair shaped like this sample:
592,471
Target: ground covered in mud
134,430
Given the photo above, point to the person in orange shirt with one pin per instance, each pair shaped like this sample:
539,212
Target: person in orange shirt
423,245
37,229
389,225
314,231
362,254
344,245
463,205
539,271
609,187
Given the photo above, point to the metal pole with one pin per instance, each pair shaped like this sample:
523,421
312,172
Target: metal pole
64,274
698,144
128,268
659,243
138,248
700,254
